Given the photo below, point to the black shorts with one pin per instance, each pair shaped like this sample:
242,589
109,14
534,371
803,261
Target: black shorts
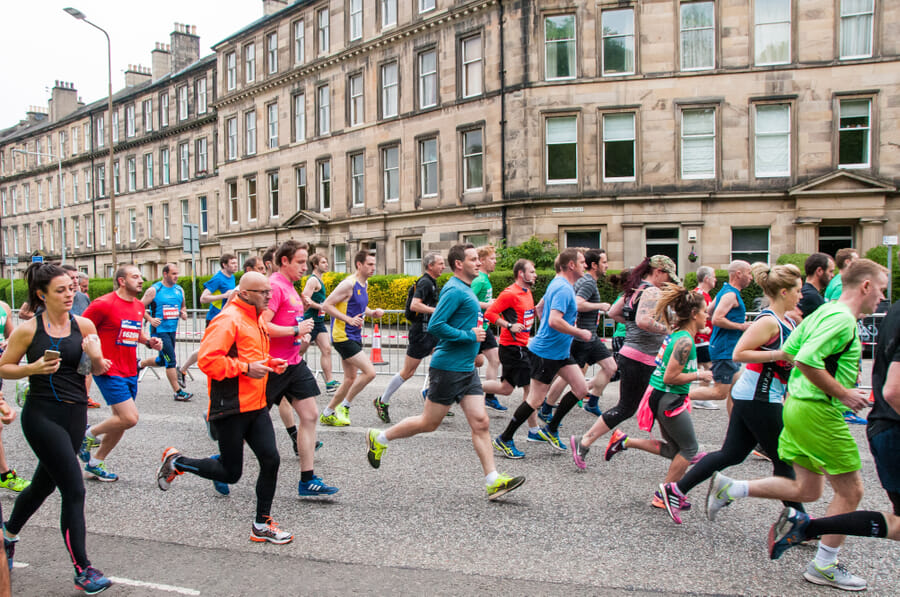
516,365
489,341
447,387
296,383
589,353
421,343
347,349
319,327
703,353
544,370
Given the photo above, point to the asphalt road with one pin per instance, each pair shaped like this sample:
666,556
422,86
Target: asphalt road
421,524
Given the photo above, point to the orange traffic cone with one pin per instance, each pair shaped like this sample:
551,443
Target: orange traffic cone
376,347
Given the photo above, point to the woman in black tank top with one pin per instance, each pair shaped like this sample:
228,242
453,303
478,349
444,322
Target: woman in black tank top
55,415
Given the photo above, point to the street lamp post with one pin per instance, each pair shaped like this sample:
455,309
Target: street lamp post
62,204
112,190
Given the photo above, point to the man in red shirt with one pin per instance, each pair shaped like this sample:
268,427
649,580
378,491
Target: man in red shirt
118,317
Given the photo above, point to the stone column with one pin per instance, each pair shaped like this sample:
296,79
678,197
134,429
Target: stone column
633,243
806,235
872,233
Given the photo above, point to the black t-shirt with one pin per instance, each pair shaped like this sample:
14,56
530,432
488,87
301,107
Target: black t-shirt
427,292
887,351
811,299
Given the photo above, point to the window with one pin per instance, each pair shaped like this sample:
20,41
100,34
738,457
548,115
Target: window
390,90
272,53
230,71
184,162
164,165
388,13
750,244
427,79
88,231
250,132
26,232
74,188
201,96
132,225
26,198
274,210
117,230
252,208
76,232
853,135
357,180
697,36
324,31
299,42
232,202
340,259
299,108
698,143
115,127
662,241
62,143
147,114
832,238
300,180
74,144
390,163
231,135
618,42
426,5
116,188
15,237
589,239
473,154
562,150
772,156
356,100
412,257
62,188
856,28
619,147
249,63
40,229
13,197
164,108
772,32
559,47
428,167
40,194
471,66
101,217
3,204
182,102
132,174
88,181
356,19
201,156
165,220
325,185
100,131
323,110
129,121
101,184
149,221
185,212
87,136
272,118
6,241
204,215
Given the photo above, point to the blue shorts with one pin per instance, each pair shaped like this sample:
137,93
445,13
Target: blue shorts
319,327
885,447
167,354
117,389
723,371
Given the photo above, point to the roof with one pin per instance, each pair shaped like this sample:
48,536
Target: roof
262,21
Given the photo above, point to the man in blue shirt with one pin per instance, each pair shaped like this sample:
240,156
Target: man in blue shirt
164,302
456,323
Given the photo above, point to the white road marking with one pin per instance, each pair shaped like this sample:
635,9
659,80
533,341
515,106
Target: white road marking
153,585
20,565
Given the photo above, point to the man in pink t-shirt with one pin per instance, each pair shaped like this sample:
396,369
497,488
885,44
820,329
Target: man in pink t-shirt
288,331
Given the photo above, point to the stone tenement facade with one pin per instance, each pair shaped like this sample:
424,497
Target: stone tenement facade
731,129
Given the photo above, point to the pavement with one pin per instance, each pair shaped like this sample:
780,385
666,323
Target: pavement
421,524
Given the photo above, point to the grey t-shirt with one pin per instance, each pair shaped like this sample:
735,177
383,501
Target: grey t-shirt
586,288
80,303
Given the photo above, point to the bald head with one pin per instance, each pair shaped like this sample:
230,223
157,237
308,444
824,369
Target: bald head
253,281
255,290
739,274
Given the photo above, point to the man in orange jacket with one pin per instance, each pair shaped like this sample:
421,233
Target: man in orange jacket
234,355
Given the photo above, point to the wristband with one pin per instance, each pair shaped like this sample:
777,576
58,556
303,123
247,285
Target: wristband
147,343
296,330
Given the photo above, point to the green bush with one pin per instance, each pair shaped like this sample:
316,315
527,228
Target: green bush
879,255
541,252
798,259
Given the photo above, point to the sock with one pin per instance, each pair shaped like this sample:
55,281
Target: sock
739,489
382,438
491,477
292,431
306,476
392,387
345,404
327,412
88,433
547,408
565,405
862,523
520,416
95,462
534,430
593,400
5,476
826,556
261,522
489,397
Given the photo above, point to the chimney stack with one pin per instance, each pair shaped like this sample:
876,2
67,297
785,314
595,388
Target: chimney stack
273,6
162,60
136,74
63,100
185,46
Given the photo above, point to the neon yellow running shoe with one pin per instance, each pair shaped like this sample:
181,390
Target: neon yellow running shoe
14,482
376,448
343,412
503,485
333,420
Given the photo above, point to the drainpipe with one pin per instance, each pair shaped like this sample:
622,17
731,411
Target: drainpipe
503,229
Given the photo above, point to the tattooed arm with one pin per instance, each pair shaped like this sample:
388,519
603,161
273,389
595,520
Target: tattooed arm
644,318
681,354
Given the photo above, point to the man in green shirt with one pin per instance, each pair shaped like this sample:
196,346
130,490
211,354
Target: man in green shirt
842,259
826,350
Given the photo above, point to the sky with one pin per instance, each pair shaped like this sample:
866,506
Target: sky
42,44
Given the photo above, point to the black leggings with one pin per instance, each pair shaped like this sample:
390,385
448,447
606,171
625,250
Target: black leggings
255,428
752,422
633,380
54,431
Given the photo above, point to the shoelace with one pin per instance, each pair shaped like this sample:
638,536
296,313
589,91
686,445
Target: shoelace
271,526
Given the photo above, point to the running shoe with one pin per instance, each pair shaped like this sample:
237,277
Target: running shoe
657,502
9,545
314,487
704,404
182,396
343,412
552,438
100,473
221,488
167,472
503,485
534,436
382,410
424,393
179,377
788,531
88,443
854,419
616,444
579,452
508,449
593,405
93,403
331,386
333,420
319,444
758,452
375,448
14,482
673,501
91,581
546,412
834,575
493,403
718,497
270,533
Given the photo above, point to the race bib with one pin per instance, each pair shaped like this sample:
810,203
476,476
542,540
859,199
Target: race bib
528,319
170,312
129,333
480,322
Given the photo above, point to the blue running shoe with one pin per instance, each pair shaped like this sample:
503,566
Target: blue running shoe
220,487
593,405
854,419
10,546
552,438
493,403
534,436
91,581
508,449
788,531
314,487
87,444
100,473
546,412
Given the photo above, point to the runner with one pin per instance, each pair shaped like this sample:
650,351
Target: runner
348,306
706,281
234,355
79,306
117,316
9,479
288,329
644,333
455,323
254,264
815,437
549,356
165,300
59,348
758,393
484,292
313,296
819,269
84,283
842,259
421,343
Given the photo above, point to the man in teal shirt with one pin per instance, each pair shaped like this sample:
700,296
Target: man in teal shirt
484,292
842,259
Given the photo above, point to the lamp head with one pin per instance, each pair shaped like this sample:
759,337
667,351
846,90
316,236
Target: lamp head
75,13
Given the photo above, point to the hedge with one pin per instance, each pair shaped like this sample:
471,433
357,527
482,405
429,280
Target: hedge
879,255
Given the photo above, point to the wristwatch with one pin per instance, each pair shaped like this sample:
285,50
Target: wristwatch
296,330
